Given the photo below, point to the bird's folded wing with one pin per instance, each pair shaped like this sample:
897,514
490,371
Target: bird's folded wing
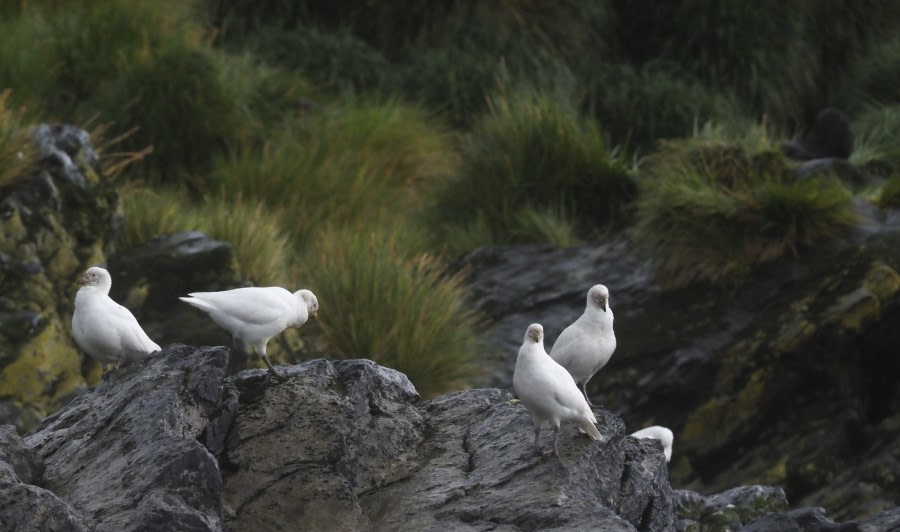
258,307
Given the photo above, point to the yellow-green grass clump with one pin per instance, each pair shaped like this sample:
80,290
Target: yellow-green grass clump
532,153
713,209
400,310
262,247
877,150
355,165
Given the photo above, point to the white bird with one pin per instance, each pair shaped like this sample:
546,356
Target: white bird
548,391
586,345
662,434
104,329
256,314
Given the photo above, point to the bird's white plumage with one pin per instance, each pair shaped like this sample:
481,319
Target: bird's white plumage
585,346
547,390
105,330
256,314
657,432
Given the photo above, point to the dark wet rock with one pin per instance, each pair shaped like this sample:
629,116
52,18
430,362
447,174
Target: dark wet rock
136,453
831,136
53,225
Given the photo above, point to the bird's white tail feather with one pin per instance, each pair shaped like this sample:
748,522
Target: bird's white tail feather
590,429
199,303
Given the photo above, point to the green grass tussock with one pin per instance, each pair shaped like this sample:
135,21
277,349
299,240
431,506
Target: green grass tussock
262,247
713,210
532,153
361,164
877,148
402,311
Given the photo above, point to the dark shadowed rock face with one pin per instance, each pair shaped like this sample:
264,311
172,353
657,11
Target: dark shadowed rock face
347,445
136,453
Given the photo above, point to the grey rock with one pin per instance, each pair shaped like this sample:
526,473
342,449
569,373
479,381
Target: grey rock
60,146
810,519
136,452
18,461
24,506
347,445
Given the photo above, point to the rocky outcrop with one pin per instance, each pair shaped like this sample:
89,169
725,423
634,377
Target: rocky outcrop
788,379
171,443
138,453
347,445
52,227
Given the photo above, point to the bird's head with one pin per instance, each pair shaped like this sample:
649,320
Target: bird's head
312,303
535,333
95,276
598,297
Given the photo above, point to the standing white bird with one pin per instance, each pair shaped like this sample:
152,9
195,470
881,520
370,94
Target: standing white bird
656,432
548,391
586,345
104,329
256,314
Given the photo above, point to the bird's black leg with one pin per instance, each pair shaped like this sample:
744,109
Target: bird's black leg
537,434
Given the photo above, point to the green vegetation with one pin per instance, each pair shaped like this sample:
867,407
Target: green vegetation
712,209
397,309
531,154
356,147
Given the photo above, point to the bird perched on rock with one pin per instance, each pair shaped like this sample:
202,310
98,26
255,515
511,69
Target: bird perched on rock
662,434
256,314
104,329
548,391
584,347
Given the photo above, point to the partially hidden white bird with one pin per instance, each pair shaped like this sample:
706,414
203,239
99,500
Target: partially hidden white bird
104,329
548,391
585,346
255,314
657,432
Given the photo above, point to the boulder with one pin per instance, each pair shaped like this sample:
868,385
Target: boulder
138,452
347,445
